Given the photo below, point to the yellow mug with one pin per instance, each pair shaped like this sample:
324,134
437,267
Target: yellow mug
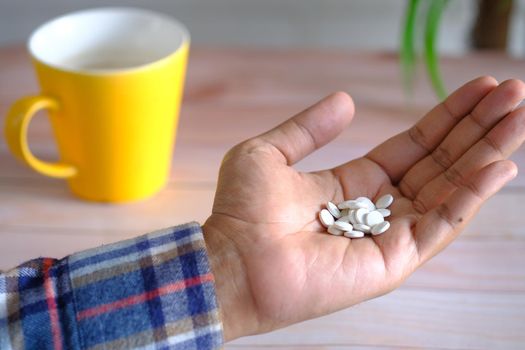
111,80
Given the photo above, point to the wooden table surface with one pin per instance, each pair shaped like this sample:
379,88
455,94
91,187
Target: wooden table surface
472,296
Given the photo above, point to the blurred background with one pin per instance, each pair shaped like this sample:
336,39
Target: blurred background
470,297
345,24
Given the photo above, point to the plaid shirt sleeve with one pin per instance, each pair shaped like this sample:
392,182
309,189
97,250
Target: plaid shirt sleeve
155,291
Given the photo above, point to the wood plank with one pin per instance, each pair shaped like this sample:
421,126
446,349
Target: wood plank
16,247
197,162
48,203
414,318
52,206
263,78
472,265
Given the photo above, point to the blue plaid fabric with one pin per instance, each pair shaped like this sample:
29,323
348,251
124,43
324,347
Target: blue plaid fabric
155,291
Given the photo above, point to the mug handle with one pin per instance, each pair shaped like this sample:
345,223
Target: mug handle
16,124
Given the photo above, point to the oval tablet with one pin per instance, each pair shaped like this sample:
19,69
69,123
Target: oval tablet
334,231
384,212
333,209
344,218
344,204
352,204
351,216
384,201
354,234
366,201
326,218
362,227
343,226
380,228
360,215
373,218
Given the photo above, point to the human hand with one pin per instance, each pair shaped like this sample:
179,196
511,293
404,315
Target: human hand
273,262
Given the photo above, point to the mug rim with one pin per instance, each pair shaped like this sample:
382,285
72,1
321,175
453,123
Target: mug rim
185,39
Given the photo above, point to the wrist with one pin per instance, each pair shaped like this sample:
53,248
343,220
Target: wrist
231,283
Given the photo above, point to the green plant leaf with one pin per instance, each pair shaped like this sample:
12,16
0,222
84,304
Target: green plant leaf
433,18
408,52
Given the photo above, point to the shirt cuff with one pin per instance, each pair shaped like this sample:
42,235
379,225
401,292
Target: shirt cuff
153,291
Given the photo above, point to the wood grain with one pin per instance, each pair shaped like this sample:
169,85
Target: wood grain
52,206
415,318
471,296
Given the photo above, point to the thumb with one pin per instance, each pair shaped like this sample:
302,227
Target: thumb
312,128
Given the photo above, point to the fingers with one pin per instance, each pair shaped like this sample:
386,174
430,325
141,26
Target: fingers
311,129
402,151
436,229
496,145
496,105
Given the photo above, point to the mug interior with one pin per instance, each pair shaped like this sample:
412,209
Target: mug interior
107,39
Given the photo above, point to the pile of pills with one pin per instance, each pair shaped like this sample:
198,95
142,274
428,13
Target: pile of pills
356,217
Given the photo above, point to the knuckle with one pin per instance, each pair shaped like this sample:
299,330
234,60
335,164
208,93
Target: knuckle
241,148
442,157
418,137
305,132
406,188
248,146
453,176
419,206
473,188
477,120
448,110
493,145
254,148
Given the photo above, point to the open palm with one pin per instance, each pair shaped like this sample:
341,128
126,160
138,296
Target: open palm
274,263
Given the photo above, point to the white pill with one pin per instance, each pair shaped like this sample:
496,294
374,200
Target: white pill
380,228
343,226
366,201
326,218
360,215
354,234
384,212
332,208
344,205
351,217
334,231
352,204
384,201
373,218
362,227
344,218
